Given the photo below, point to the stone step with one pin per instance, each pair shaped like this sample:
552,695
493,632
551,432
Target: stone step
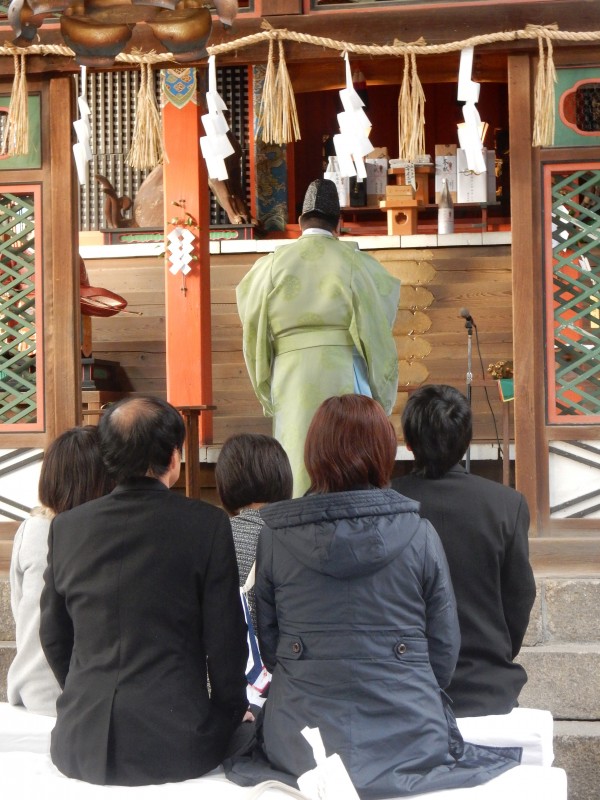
7,634
563,678
565,610
5,552
577,751
7,652
7,623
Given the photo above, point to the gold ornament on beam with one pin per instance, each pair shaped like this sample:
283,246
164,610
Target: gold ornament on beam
99,30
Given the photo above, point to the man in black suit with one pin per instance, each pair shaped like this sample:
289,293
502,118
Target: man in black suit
483,526
141,599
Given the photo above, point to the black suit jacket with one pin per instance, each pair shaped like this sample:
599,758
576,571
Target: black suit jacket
141,594
483,526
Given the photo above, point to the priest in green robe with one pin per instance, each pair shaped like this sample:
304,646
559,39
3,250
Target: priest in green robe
317,319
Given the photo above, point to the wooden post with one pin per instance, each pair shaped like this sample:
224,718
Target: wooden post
191,418
531,452
62,232
188,323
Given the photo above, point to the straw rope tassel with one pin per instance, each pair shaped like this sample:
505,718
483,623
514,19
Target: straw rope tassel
266,121
417,101
404,112
15,141
288,128
544,115
549,110
146,146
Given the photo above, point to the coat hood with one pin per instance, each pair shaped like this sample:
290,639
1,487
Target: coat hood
344,534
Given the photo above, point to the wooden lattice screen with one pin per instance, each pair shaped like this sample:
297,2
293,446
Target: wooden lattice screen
21,372
573,293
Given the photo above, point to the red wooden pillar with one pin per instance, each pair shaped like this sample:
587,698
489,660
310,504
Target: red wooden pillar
188,321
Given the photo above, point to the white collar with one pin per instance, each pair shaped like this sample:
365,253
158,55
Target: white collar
317,232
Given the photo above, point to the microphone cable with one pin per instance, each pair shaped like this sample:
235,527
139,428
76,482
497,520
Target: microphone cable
500,456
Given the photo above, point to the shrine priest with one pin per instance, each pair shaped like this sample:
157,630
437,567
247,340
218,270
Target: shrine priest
317,320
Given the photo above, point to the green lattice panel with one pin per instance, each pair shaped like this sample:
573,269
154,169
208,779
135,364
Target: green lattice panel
18,387
576,292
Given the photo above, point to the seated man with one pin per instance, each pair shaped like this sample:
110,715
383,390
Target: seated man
141,598
483,526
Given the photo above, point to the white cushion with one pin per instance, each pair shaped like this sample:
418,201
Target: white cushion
529,728
21,730
29,776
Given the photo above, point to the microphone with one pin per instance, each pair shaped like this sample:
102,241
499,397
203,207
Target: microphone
464,313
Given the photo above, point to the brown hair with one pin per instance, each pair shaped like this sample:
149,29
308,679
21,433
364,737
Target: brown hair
72,470
350,444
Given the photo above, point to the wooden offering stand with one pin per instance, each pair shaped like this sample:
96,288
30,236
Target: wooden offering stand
422,173
401,204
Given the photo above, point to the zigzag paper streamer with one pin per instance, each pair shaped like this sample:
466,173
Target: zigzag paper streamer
352,143
215,145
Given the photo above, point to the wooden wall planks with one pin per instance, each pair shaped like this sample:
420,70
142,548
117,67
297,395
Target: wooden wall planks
438,283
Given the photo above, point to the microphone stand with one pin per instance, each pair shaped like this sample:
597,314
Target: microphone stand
469,328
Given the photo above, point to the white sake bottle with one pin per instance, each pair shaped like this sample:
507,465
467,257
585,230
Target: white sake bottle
445,210
342,184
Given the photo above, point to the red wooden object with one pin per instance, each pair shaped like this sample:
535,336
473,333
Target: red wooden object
188,320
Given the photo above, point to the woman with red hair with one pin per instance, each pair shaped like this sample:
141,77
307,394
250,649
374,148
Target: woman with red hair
357,620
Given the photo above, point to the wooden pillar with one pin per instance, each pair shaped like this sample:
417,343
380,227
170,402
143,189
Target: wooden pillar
61,235
188,322
531,452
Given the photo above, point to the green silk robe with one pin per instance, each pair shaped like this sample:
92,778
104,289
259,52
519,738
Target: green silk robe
304,308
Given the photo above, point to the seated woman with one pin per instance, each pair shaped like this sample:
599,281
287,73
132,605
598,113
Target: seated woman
252,470
357,620
72,473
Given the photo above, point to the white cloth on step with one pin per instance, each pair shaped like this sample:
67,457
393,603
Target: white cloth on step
529,728
29,776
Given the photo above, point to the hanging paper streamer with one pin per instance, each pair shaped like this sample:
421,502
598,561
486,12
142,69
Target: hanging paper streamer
82,150
352,143
215,145
180,250
469,131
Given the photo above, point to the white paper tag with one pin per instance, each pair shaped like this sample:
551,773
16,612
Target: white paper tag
409,175
328,781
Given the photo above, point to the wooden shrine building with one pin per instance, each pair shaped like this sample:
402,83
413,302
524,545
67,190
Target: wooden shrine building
525,265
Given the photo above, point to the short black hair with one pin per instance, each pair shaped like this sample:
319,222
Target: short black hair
252,468
72,470
138,436
438,425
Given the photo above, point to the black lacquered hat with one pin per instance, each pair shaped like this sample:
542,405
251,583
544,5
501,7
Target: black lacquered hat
321,199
